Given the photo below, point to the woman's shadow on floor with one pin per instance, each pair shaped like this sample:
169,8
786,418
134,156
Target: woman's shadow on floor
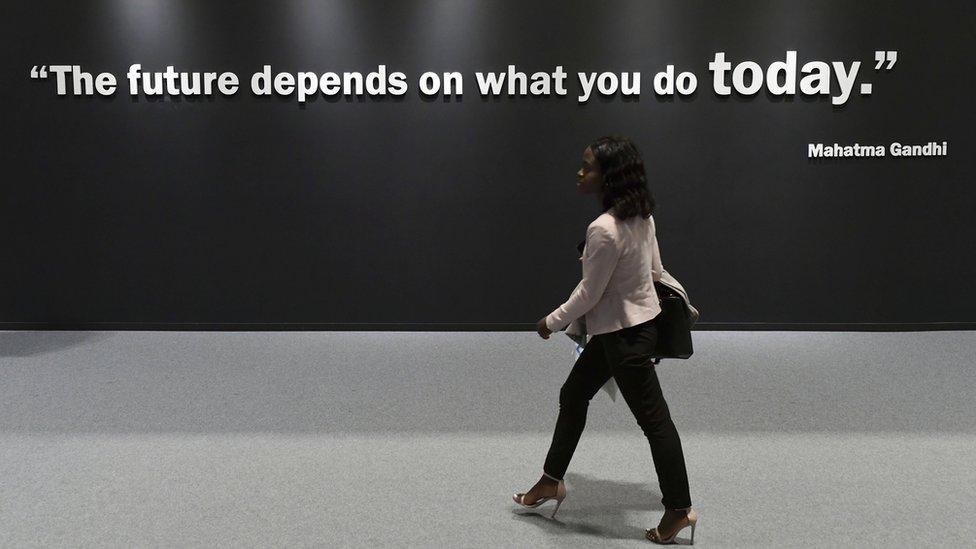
29,343
599,507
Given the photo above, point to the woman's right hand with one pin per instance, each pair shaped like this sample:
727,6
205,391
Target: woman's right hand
544,331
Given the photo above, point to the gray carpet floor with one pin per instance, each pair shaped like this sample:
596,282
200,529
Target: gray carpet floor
362,439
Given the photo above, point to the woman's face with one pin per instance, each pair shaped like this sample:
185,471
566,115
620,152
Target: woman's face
589,179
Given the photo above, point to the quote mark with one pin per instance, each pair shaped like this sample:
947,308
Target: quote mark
39,72
881,56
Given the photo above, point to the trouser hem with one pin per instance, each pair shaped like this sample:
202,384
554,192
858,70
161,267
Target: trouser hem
682,508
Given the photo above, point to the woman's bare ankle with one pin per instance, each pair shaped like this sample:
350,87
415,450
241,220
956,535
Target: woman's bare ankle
546,479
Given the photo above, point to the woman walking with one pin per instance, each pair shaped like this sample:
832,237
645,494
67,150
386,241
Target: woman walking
621,261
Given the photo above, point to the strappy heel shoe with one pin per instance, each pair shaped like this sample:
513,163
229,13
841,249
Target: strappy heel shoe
558,498
690,519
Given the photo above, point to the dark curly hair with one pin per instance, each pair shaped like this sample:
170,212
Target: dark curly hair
624,179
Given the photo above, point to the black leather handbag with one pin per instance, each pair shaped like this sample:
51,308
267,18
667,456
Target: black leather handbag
673,323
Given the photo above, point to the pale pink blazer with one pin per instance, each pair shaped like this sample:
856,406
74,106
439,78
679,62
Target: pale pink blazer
621,261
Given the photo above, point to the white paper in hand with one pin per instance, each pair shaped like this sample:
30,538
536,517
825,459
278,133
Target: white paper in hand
610,386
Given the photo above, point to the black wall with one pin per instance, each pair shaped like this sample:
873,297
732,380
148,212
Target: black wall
462,213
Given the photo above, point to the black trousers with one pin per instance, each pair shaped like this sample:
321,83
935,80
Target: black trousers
625,355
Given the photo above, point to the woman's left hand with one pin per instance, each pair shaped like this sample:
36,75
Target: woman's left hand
543,330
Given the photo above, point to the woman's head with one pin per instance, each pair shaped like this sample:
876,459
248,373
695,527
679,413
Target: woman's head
613,168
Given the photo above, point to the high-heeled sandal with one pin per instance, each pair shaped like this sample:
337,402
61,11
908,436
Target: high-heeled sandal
558,498
690,519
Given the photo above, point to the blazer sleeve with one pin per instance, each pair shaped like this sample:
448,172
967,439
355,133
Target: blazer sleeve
599,259
656,267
